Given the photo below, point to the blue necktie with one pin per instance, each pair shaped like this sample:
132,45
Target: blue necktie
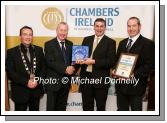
129,45
63,52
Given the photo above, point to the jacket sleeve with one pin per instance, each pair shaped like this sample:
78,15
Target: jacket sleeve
144,69
10,69
42,63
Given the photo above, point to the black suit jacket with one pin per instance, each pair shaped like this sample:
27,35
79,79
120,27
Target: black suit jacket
55,64
143,47
104,55
19,77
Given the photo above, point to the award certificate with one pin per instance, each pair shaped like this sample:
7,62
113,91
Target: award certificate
125,65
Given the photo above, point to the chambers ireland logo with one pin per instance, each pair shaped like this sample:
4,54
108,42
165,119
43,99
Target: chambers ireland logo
51,17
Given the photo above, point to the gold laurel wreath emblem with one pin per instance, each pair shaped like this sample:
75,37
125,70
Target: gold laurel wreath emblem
51,17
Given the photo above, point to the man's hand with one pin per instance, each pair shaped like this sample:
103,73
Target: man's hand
70,70
132,75
89,61
113,73
79,62
31,84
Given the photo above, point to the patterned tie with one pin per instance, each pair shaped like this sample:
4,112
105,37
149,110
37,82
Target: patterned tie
129,45
89,67
28,54
63,52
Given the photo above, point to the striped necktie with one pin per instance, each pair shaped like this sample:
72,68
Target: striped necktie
129,45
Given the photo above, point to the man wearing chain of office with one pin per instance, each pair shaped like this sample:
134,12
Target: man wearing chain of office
23,63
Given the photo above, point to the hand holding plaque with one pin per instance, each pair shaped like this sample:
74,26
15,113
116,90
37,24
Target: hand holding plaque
125,65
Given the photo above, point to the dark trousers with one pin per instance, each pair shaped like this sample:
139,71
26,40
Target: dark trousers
90,93
33,104
57,100
126,101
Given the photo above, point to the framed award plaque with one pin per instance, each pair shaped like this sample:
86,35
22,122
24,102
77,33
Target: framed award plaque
125,65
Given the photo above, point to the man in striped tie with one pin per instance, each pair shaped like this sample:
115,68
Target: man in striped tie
130,96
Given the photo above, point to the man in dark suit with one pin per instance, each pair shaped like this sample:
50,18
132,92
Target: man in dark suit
129,95
102,57
58,53
23,63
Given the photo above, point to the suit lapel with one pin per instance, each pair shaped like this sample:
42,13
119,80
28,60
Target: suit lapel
100,43
56,44
136,44
91,44
20,61
67,46
124,49
19,56
68,53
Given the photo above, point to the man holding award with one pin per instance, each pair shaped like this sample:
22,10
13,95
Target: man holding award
101,57
134,61
23,63
58,55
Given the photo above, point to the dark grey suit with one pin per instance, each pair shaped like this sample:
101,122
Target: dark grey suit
128,94
19,77
105,57
57,93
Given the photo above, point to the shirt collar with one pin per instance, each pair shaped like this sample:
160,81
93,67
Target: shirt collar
100,37
135,37
60,41
24,48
